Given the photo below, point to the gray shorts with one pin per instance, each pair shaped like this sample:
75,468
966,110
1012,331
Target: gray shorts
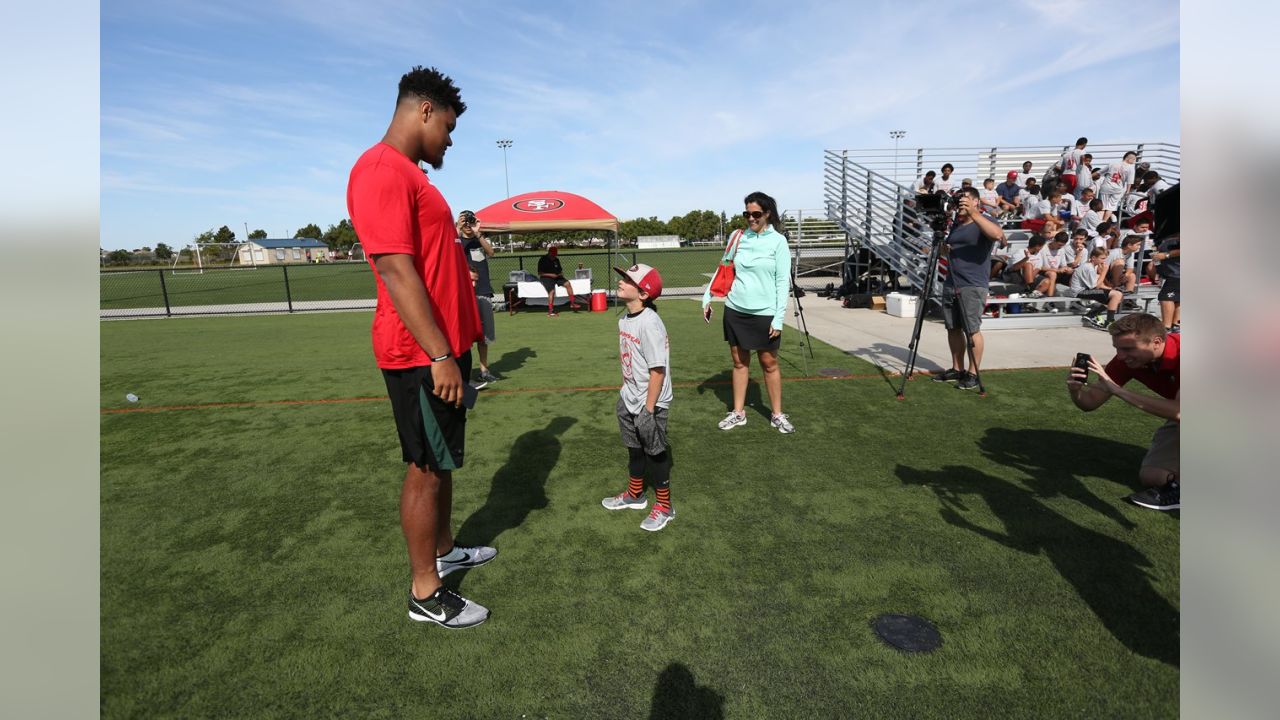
645,431
1164,453
486,317
963,305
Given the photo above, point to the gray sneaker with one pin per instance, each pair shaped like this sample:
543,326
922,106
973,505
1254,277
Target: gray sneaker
623,501
487,377
472,557
658,519
733,420
447,609
783,424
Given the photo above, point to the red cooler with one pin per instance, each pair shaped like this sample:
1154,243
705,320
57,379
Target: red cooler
599,301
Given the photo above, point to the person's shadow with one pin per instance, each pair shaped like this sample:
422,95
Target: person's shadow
518,488
722,385
677,695
1107,573
1054,461
512,360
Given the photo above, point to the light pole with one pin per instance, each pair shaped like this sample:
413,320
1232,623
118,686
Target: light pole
504,144
896,135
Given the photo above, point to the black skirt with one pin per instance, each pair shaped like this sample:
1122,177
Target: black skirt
749,332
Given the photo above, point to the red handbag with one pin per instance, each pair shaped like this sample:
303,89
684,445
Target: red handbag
723,280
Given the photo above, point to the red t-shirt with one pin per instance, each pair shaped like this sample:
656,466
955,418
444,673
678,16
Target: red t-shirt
395,209
1162,376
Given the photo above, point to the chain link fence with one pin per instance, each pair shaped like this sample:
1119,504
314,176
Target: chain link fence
350,285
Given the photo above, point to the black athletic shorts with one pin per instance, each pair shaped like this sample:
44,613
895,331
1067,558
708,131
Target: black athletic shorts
749,332
1169,290
432,434
550,284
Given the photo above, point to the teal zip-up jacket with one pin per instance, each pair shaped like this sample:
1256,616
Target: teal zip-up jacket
762,276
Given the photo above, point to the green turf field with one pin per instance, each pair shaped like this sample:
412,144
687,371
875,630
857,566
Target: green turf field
252,562
349,281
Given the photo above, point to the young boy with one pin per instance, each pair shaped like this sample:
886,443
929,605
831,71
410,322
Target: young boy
645,396
1121,261
990,198
1089,283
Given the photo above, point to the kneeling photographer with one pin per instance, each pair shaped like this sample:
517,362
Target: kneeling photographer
964,293
1147,353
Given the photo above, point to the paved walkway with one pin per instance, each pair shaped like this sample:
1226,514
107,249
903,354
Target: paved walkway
880,338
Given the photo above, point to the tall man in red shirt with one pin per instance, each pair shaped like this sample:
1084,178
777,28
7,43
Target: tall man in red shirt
1146,353
423,328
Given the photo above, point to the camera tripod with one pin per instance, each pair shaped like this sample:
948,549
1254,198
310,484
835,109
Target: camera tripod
922,298
796,293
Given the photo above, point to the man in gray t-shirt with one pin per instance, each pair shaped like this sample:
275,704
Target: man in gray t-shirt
964,293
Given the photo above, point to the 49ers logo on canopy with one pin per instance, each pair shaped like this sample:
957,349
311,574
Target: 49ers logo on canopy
538,205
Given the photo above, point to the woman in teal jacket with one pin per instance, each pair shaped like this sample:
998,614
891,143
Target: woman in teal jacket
754,307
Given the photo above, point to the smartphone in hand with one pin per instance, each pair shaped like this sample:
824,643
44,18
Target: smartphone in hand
469,395
706,314
1082,364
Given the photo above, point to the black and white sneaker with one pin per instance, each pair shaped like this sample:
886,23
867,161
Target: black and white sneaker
949,375
469,557
448,609
1165,497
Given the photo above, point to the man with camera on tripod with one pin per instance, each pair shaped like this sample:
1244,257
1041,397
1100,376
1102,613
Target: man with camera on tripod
964,293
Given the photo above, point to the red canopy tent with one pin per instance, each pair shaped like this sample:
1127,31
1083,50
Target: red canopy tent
545,210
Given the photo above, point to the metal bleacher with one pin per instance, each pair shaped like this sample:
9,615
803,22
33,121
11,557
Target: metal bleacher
868,194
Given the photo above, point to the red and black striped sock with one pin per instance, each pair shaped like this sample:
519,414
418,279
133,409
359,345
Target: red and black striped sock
662,497
635,486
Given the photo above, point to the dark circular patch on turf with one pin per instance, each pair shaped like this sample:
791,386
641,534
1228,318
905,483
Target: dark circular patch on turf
908,633
833,372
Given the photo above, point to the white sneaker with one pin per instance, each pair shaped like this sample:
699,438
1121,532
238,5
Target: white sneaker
471,557
782,423
733,420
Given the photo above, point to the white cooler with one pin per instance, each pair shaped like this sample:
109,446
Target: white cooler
900,305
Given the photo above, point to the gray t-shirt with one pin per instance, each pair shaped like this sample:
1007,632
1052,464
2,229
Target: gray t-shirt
1170,267
643,344
969,264
477,260
1084,278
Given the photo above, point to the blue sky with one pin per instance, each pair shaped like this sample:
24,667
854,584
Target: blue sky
241,112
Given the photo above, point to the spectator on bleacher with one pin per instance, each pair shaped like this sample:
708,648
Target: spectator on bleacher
1117,180
925,184
1070,163
1080,207
1026,269
1092,219
944,181
1086,175
1027,178
1078,248
1089,283
1167,260
1062,205
1052,177
550,274
989,197
1141,228
1010,192
1034,210
965,183
1121,261
964,292
1146,353
1152,185
1057,258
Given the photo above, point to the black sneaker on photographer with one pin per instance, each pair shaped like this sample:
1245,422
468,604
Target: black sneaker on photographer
949,375
968,382
1165,497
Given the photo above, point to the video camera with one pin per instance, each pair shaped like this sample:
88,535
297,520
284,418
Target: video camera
938,208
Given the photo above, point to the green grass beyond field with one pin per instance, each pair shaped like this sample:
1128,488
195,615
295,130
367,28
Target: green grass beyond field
252,562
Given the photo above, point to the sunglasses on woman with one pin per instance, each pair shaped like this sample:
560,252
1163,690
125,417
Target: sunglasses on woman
752,214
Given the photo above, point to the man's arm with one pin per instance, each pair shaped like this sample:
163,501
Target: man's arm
656,376
1086,397
1158,406
409,296
484,244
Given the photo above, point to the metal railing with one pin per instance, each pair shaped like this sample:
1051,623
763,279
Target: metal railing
862,197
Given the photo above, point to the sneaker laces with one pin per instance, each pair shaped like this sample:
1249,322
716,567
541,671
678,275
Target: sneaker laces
656,511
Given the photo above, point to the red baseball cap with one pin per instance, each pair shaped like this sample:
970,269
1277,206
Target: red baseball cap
645,277
1013,174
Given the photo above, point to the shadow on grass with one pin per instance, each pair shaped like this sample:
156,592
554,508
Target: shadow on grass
722,385
513,360
518,488
1054,462
678,695
1106,573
